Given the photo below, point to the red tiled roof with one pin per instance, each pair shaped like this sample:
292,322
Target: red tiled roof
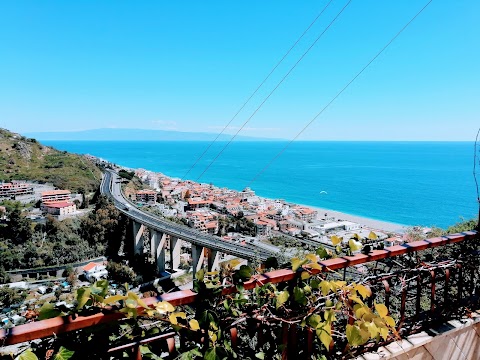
56,192
90,266
58,205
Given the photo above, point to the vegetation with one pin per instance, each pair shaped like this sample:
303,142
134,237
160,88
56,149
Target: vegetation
238,224
10,296
26,159
23,245
120,273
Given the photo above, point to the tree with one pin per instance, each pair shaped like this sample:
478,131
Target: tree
9,296
120,273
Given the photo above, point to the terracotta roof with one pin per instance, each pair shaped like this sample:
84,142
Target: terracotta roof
56,192
58,205
90,266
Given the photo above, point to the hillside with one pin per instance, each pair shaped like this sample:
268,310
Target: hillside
26,159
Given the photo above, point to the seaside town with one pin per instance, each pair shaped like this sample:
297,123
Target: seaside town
266,223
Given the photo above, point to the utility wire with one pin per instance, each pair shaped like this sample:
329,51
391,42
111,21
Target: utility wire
275,88
476,158
258,88
337,95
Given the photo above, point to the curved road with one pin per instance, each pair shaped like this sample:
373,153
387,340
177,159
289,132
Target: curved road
111,188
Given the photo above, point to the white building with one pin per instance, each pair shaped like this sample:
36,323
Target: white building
95,271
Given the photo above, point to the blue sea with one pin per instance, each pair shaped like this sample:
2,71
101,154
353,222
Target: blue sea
410,183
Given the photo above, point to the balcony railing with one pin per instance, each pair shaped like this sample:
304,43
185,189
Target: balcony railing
417,297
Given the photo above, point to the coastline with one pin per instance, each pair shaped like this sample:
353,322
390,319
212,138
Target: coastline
373,224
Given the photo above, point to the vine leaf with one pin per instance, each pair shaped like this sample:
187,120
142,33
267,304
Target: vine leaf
27,355
325,336
372,236
164,307
389,321
382,310
114,299
353,335
245,272
63,354
299,296
296,263
194,325
48,311
363,291
326,287
281,298
336,240
354,245
83,296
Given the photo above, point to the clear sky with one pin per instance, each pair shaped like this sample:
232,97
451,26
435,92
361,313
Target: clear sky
189,66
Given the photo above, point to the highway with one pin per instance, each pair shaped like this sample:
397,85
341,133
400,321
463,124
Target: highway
111,187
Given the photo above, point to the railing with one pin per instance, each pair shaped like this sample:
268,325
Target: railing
417,296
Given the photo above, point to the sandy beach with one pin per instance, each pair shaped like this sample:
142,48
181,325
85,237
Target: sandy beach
371,223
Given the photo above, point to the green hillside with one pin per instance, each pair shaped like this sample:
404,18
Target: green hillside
27,159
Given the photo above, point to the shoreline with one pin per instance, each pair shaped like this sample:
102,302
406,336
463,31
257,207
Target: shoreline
373,224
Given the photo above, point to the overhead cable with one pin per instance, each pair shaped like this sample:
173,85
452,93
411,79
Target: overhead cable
274,89
338,94
258,88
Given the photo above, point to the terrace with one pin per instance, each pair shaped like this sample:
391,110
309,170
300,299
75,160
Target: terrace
429,287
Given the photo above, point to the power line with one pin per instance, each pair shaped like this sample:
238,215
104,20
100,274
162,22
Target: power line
338,94
258,88
275,88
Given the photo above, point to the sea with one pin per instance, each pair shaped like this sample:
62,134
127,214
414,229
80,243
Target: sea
408,183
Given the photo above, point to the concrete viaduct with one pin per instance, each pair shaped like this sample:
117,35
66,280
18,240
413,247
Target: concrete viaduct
165,234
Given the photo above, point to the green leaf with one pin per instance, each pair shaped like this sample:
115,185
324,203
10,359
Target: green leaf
315,283
372,236
325,337
200,275
314,320
363,291
260,355
83,296
383,332
354,245
329,316
381,310
360,310
305,275
27,355
296,263
245,272
211,354
194,325
48,311
311,257
326,287
373,329
389,321
114,299
164,307
353,335
147,353
299,296
336,240
281,298
322,253
63,354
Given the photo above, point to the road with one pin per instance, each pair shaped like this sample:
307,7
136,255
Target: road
111,188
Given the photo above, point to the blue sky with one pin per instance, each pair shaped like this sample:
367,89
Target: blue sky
190,65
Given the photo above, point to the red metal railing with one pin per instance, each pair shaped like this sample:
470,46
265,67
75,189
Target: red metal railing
426,287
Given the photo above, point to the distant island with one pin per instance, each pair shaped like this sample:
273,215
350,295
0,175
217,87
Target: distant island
108,134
